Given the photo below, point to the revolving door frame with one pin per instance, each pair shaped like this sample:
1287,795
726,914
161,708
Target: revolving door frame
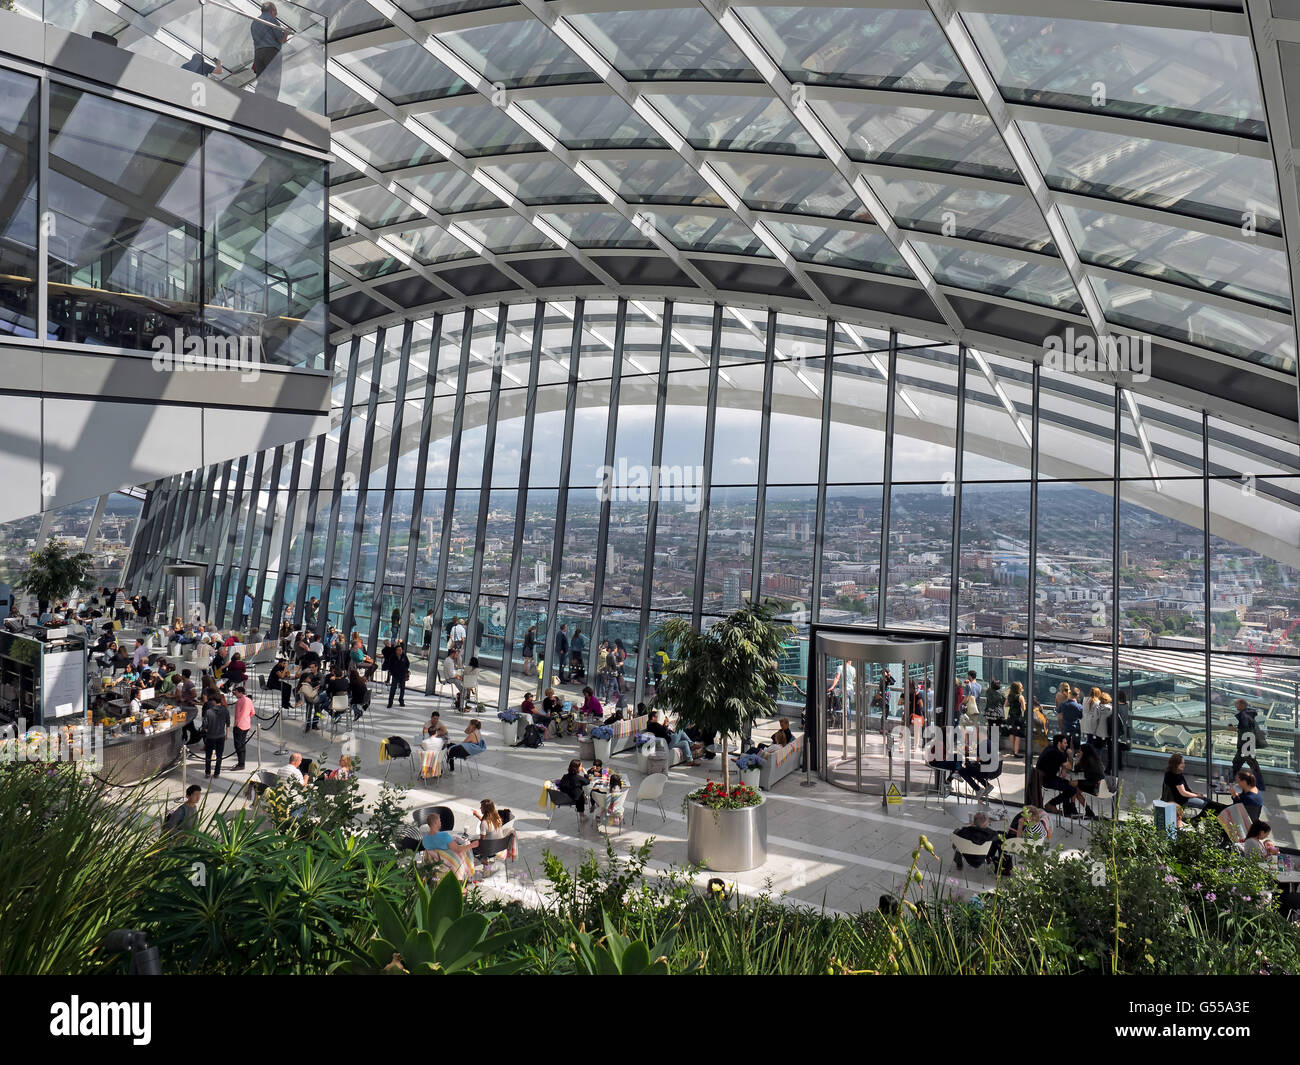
865,648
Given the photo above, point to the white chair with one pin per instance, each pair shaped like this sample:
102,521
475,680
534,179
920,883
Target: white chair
1104,795
968,850
652,790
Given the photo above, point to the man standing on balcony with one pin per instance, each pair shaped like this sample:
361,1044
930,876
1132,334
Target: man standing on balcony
269,36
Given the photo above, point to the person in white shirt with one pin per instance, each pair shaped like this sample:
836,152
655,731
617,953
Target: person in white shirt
457,634
293,770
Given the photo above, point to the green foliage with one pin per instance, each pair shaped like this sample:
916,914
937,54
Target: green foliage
55,571
615,955
444,938
75,865
716,797
582,897
241,898
725,679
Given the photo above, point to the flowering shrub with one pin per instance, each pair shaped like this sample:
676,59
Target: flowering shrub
749,761
602,732
509,715
716,797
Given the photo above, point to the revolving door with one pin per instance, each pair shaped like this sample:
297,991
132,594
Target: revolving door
871,696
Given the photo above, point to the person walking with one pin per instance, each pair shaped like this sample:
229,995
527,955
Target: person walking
399,670
1248,740
216,726
244,712
269,37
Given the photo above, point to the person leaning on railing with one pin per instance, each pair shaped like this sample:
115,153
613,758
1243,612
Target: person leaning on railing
269,36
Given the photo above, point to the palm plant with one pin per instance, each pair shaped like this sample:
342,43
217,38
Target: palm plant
725,679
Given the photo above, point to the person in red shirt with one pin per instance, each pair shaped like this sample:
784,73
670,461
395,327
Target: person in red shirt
244,712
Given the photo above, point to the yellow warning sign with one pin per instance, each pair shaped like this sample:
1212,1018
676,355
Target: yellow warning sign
893,796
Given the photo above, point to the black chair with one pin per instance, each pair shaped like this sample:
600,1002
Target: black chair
447,819
559,798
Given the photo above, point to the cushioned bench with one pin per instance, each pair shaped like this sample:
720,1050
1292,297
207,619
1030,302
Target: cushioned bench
624,731
780,762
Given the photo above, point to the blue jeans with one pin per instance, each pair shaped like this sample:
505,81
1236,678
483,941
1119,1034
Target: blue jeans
683,743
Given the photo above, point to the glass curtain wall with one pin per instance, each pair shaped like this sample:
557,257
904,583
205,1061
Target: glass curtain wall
607,465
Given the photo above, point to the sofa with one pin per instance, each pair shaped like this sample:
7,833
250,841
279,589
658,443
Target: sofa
625,730
780,762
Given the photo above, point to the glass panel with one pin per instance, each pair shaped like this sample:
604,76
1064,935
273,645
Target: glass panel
851,555
1162,564
796,428
737,123
125,201
19,144
859,396
701,232
1075,560
855,249
387,146
265,254
373,206
1243,451
1183,257
625,553
1255,566
766,186
920,556
1174,434
682,42
993,567
1009,218
736,428
537,182
593,122
789,525
1076,428
518,54
476,128
858,47
1231,332
664,180
506,234
451,190
405,73
925,415
999,418
1039,283
1200,182
598,229
950,141
1184,77
729,548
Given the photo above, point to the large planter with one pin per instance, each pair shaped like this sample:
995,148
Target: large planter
512,732
586,749
643,757
750,777
727,841
603,750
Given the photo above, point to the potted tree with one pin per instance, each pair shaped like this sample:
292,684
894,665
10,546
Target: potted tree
54,572
721,681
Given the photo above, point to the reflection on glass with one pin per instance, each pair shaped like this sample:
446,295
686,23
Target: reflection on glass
18,166
993,567
680,42
920,556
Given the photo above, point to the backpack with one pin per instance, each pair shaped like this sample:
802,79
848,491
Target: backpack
212,729
532,737
1261,734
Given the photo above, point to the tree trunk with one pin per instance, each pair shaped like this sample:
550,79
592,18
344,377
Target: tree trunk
726,765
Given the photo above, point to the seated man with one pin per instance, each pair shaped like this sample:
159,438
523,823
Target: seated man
674,739
979,833
1051,763
293,770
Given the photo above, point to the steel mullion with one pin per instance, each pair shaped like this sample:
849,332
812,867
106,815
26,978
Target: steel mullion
212,536
710,426
485,482
348,611
652,518
390,486
422,459
607,483
1205,571
958,472
764,446
823,464
232,534
309,528
286,534
453,470
1033,575
887,486
336,498
268,534
250,525
521,508
562,494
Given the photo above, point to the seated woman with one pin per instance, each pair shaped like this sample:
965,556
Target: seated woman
467,685
343,771
236,672
591,706
471,745
491,825
1092,771
574,785
1174,789
1257,843
358,692
1030,823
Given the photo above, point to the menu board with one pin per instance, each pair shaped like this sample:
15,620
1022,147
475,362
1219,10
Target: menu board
63,685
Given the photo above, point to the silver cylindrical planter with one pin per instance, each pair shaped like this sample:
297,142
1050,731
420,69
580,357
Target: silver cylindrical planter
727,841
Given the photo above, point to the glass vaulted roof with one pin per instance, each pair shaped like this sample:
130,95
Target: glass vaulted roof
993,177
